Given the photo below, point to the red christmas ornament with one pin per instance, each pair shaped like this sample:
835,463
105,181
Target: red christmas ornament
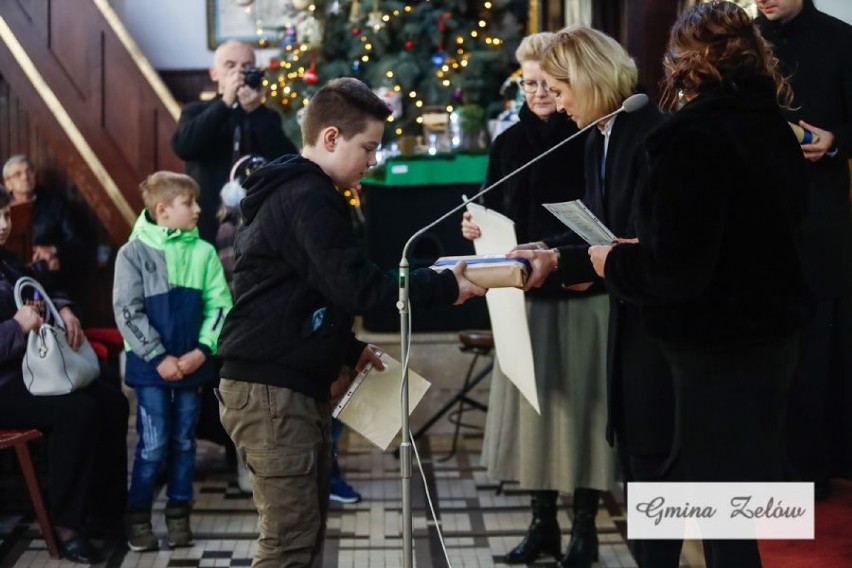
274,64
409,44
356,30
311,77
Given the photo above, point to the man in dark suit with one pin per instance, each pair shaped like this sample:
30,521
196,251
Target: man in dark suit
814,50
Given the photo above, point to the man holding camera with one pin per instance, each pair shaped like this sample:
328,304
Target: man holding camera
212,135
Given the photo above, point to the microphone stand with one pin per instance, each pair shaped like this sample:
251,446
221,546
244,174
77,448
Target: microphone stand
631,104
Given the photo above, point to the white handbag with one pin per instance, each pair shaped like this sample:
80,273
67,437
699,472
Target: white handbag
50,366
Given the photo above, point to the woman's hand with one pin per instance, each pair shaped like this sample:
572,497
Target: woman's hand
598,254
470,230
28,318
467,289
543,263
72,328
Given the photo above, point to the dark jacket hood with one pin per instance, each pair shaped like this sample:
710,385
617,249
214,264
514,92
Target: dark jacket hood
269,178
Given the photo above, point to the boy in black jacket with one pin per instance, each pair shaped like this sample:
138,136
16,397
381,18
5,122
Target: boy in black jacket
299,279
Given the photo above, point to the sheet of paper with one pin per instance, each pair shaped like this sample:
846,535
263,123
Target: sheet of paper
579,219
371,406
506,306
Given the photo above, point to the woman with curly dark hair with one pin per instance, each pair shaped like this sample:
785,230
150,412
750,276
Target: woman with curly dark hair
716,268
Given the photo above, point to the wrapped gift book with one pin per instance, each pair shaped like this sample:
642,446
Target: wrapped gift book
489,271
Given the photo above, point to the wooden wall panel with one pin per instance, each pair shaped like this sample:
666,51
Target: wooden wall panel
75,48
120,129
37,12
124,109
19,136
187,85
646,25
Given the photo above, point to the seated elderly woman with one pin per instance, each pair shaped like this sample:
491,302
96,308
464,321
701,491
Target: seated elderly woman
86,430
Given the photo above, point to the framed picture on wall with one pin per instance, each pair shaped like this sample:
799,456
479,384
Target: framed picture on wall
258,22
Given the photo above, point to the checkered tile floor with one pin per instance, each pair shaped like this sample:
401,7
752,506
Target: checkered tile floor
480,520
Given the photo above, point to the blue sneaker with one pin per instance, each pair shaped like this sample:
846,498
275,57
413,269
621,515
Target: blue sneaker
342,492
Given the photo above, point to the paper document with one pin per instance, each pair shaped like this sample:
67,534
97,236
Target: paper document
579,219
506,306
371,406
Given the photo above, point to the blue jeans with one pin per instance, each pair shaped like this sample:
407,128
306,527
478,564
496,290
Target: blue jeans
165,420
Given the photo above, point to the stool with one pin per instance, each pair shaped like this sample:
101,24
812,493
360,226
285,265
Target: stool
478,342
19,439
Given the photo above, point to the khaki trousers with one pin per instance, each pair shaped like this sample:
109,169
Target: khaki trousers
284,437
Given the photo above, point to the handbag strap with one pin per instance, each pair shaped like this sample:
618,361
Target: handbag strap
26,281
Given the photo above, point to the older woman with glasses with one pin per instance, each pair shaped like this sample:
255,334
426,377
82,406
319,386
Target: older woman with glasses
563,449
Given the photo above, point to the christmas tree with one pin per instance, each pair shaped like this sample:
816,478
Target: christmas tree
420,55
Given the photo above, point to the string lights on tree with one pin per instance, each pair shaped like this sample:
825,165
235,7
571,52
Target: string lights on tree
415,53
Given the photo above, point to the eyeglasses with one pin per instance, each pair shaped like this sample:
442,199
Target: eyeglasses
21,174
531,87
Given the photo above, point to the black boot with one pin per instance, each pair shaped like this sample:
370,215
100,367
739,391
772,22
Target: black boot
583,548
543,536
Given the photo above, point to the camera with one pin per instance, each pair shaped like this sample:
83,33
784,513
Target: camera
253,77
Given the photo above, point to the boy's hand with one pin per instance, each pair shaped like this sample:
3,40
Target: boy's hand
190,362
467,289
169,369
370,354
341,384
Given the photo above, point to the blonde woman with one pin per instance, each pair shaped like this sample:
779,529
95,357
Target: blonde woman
590,76
563,449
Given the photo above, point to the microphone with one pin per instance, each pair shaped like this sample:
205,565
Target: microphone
630,104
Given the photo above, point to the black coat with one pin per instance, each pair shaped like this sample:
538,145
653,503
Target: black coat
205,139
625,171
555,178
636,370
719,224
300,278
815,51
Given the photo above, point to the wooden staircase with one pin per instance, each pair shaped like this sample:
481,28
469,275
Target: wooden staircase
95,99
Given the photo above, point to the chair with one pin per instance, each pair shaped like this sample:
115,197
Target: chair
480,343
20,439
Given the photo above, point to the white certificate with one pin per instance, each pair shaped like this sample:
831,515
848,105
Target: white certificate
506,306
